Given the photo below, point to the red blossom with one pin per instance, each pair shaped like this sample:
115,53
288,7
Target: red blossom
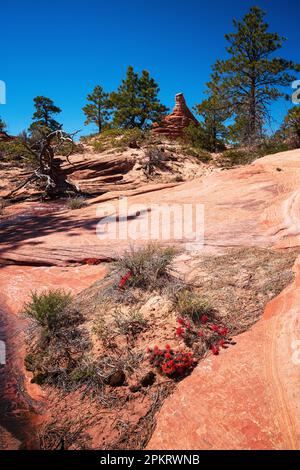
214,328
124,279
215,350
200,334
180,321
179,331
172,363
223,331
204,319
221,343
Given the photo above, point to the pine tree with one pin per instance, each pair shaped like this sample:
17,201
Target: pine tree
97,111
136,103
151,110
43,119
215,111
2,125
291,126
252,76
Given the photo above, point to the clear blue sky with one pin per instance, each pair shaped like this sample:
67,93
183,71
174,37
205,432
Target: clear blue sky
62,49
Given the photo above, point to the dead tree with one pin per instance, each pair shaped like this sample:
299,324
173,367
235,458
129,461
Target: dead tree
48,176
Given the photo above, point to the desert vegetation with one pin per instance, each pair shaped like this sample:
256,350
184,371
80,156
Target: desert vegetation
109,345
107,355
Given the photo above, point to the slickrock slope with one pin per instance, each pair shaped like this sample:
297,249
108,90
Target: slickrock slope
247,398
254,205
20,400
174,124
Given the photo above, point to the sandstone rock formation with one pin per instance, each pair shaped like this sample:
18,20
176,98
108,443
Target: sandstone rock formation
174,124
245,398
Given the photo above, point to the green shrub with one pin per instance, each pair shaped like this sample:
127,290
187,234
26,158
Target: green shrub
149,266
99,146
117,138
48,309
272,146
234,157
70,148
194,136
200,154
130,323
76,203
16,151
130,137
3,204
190,304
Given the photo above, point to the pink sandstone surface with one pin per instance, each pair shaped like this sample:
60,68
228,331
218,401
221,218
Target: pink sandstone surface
245,398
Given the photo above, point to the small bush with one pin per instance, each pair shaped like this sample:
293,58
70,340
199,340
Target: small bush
70,148
272,146
76,203
16,151
177,179
3,204
154,159
99,146
146,268
129,138
48,309
130,324
235,157
194,136
117,138
190,304
200,154
197,137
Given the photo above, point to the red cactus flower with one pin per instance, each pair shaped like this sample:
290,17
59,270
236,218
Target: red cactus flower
188,325
179,331
200,334
214,328
215,350
124,279
204,319
221,343
223,331
168,347
180,321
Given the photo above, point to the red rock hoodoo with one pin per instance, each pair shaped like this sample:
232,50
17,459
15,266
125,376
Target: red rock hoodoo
174,124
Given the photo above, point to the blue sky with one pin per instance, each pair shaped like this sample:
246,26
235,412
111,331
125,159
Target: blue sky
62,49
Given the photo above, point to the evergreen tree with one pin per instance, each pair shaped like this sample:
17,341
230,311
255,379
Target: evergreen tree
43,118
136,103
252,76
291,126
2,125
215,110
98,109
151,110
